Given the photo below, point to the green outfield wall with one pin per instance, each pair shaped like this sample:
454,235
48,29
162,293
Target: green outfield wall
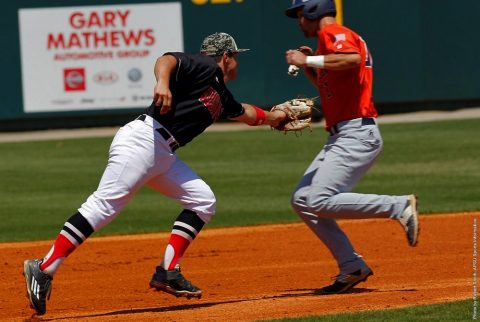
425,54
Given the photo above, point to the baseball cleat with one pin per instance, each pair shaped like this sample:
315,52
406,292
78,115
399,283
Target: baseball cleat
409,220
39,285
345,282
173,282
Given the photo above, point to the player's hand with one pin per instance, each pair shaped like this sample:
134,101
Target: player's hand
277,117
296,57
306,50
162,97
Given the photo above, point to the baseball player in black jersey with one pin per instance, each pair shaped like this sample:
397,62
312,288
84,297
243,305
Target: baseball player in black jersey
189,96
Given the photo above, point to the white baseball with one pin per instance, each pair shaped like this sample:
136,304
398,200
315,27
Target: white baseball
293,70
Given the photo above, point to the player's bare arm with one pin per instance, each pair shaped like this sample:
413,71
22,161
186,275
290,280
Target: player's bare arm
337,61
255,116
164,67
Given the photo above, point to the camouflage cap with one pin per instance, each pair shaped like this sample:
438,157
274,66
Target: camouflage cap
219,43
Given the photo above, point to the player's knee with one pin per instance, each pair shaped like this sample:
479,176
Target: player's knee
204,205
317,202
101,211
297,202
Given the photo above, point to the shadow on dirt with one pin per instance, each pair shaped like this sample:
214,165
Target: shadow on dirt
294,293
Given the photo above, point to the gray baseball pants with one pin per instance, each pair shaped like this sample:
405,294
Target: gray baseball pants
324,192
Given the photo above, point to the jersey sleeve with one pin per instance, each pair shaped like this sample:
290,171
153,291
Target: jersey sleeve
184,63
231,108
338,40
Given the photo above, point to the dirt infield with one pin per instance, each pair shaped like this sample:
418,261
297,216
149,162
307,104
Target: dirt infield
248,273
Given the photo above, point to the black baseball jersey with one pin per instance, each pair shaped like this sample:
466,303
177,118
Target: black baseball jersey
199,98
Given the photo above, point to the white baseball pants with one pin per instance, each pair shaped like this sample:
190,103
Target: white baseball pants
140,156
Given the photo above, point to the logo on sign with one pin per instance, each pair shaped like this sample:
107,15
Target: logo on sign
105,77
135,74
74,79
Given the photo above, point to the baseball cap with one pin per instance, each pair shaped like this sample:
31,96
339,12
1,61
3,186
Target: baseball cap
218,43
292,11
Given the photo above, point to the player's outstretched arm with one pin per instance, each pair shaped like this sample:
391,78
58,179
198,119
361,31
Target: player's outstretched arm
256,116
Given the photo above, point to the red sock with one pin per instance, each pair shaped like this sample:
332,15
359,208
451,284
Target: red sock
179,245
185,228
61,248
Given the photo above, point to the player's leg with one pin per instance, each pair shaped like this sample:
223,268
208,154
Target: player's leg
326,229
184,185
349,156
323,195
130,165
352,266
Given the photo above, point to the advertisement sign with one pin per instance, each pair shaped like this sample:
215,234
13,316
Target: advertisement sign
95,57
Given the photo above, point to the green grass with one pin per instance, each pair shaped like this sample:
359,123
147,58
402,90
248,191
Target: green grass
252,174
447,312
438,160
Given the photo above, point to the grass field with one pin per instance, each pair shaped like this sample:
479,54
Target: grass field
448,312
252,174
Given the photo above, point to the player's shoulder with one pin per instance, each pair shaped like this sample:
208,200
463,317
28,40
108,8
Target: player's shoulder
335,28
197,59
180,55
337,32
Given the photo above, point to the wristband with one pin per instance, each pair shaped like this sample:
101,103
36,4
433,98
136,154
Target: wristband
316,61
260,116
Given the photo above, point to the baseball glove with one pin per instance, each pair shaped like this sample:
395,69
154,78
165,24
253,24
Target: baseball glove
299,114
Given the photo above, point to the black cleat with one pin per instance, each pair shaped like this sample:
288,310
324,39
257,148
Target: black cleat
39,285
345,282
173,282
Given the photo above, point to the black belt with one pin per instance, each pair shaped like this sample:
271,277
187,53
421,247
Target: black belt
334,129
142,117
164,133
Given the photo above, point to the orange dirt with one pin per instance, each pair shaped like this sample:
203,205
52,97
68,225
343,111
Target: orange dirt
248,273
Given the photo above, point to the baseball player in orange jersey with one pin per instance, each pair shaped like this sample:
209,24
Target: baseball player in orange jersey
341,69
189,96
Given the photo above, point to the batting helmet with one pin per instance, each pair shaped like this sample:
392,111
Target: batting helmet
312,9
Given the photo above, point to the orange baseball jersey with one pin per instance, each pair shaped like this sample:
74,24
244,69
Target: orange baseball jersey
345,94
